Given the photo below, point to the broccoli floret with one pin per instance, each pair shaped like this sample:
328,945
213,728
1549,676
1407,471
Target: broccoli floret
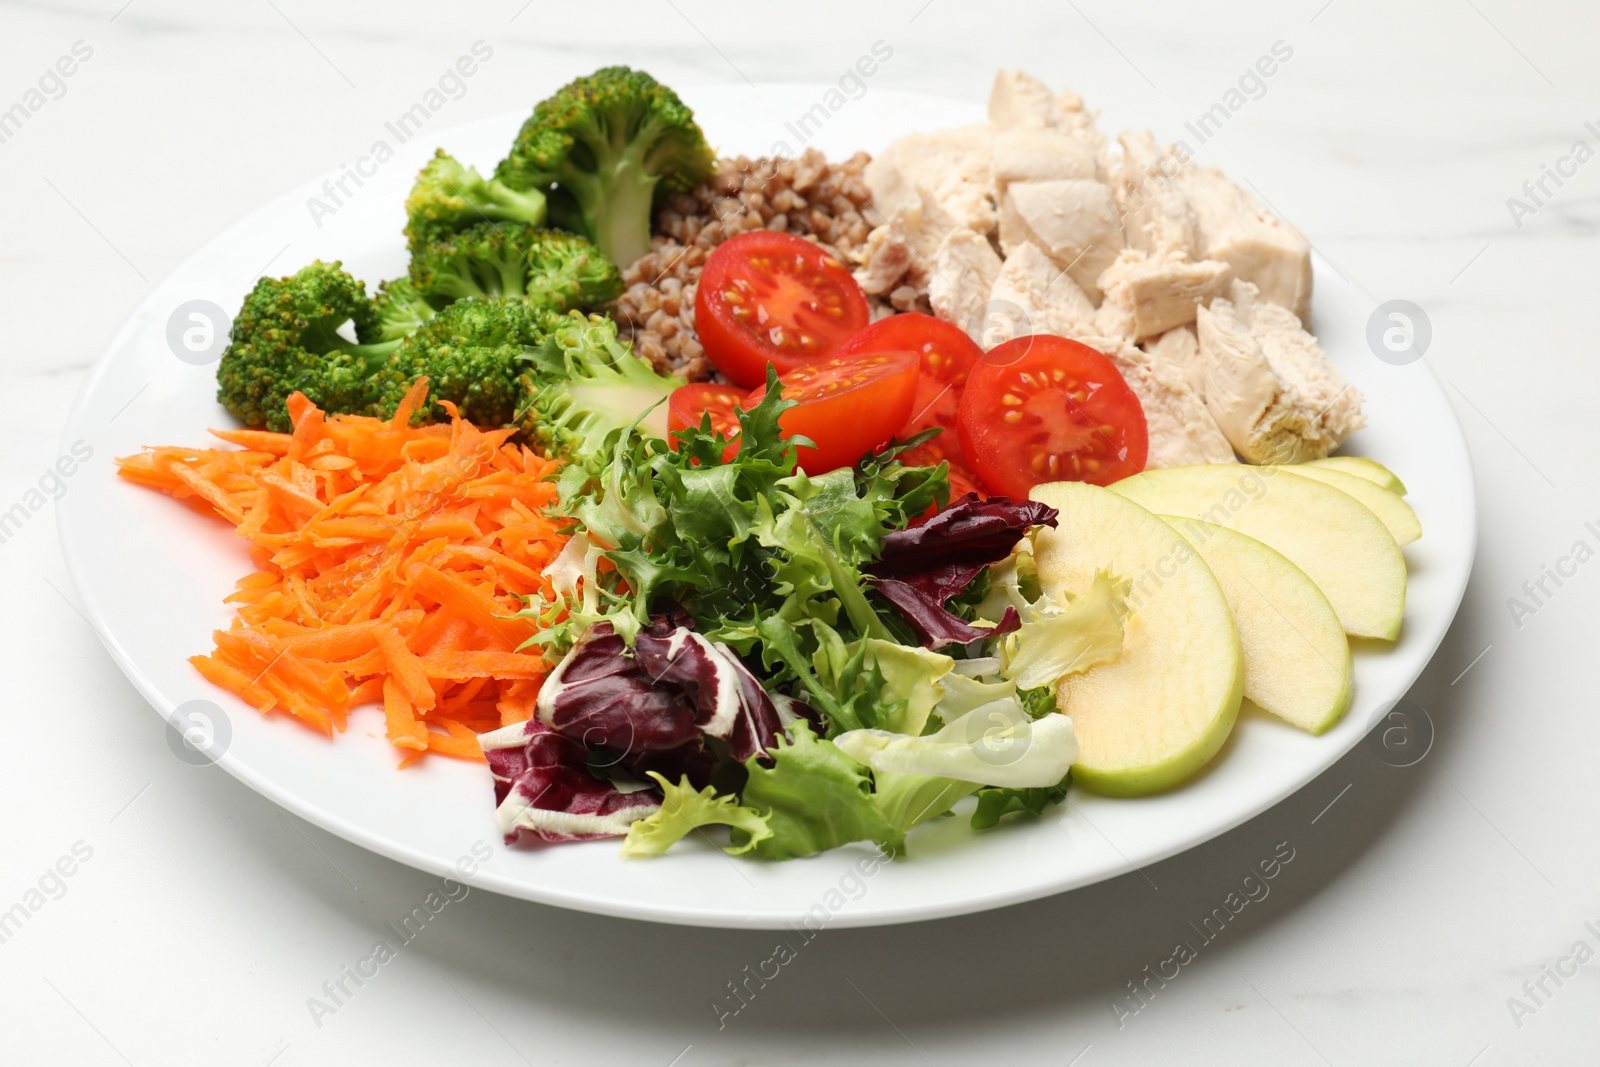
286,339
585,383
448,197
472,353
401,310
605,149
547,268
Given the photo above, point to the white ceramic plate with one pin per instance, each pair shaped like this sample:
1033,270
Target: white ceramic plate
153,575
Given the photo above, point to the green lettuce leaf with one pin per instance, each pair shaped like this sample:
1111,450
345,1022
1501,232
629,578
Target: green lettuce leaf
813,798
995,803
912,684
996,744
682,810
1056,641
908,800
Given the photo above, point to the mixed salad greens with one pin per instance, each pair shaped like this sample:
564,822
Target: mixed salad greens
809,661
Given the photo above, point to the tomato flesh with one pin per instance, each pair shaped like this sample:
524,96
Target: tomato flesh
1048,409
847,406
768,297
689,404
948,356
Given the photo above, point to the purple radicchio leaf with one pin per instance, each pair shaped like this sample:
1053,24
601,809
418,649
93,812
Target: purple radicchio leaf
935,558
937,627
542,785
651,708
601,698
729,701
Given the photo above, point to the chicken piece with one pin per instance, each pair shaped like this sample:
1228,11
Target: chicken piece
1144,297
964,271
1020,101
885,258
902,249
1156,216
1261,249
1180,348
954,167
1268,385
1072,221
1084,125
1033,295
1181,430
1027,154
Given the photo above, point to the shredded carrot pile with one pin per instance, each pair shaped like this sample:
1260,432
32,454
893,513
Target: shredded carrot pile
387,559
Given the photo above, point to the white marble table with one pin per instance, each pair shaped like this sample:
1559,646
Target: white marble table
198,920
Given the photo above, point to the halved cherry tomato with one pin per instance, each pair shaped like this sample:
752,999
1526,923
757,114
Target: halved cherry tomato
769,297
848,406
1046,409
948,356
690,402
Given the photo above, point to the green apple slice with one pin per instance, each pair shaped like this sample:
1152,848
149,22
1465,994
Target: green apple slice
1160,711
1334,538
1395,513
1296,657
1362,467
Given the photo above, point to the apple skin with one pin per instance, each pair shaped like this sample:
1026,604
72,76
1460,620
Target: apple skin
1362,467
1175,769
1155,716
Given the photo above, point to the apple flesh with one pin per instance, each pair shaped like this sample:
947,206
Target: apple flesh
1159,712
1340,544
1362,467
1296,657
1394,513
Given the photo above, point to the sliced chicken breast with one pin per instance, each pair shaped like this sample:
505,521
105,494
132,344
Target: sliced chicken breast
902,249
1181,430
954,168
1036,296
1030,154
1021,101
1145,297
1262,249
1074,222
1156,216
965,267
1267,384
1180,348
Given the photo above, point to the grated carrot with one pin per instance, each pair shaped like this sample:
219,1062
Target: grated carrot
388,558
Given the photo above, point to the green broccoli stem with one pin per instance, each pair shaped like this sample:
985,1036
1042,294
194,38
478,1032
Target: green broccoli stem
323,338
617,204
513,272
501,203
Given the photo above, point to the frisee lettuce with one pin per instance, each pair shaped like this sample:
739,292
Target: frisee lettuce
684,809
